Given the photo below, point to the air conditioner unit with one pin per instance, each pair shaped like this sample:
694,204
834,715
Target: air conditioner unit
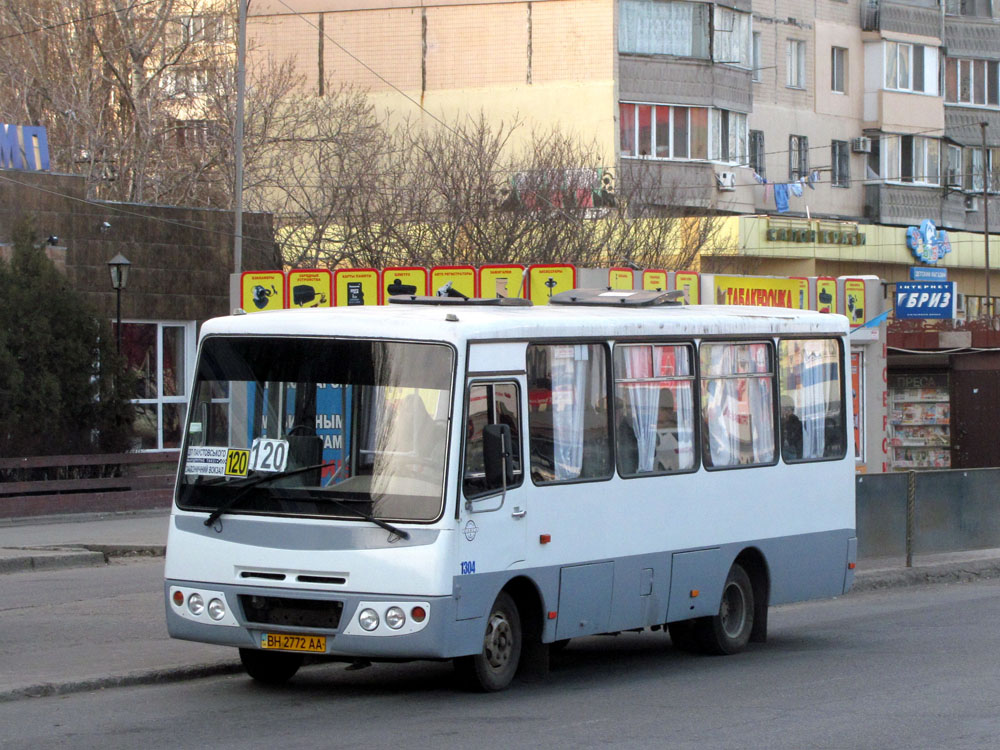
972,203
726,180
862,145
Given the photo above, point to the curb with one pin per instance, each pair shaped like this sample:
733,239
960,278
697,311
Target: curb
27,559
48,558
132,679
951,572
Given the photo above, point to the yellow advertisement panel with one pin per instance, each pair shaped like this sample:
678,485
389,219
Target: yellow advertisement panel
736,290
355,286
546,280
854,301
310,288
826,294
687,282
620,278
501,281
403,280
461,278
262,290
654,280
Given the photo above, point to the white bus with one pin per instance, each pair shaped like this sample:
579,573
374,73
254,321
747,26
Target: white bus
479,480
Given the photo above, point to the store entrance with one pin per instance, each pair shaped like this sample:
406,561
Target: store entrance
975,393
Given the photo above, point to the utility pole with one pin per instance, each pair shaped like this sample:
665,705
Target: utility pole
241,90
986,220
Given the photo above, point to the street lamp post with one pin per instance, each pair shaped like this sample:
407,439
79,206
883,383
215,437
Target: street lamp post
119,267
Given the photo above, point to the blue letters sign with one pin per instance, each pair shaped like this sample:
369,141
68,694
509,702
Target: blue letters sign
23,147
918,273
925,299
928,243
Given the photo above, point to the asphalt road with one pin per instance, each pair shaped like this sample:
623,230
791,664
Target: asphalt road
903,668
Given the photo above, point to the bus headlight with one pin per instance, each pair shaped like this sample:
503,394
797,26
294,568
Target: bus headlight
394,618
216,609
196,604
368,619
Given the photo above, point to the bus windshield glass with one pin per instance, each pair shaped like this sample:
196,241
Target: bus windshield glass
318,427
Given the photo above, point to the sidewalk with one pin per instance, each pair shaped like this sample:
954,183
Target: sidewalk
61,640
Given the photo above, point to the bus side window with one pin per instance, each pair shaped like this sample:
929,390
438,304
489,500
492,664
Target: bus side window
569,420
490,403
737,402
812,405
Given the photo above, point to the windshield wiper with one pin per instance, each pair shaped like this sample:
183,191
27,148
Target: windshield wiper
345,506
228,504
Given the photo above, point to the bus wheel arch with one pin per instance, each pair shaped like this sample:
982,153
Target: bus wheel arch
752,561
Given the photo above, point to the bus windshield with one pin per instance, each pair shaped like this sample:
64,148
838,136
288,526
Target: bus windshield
318,427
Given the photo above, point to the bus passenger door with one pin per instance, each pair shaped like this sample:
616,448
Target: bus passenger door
493,518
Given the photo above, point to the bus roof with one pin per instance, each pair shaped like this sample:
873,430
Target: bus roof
458,324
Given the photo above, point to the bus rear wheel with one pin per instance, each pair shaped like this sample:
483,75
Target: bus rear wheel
494,667
729,631
270,668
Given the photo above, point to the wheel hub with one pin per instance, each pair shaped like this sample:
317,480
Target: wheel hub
499,642
733,612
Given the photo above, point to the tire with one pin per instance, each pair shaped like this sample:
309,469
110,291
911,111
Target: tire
729,631
494,668
270,668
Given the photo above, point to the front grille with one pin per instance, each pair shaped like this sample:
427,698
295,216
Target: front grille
300,613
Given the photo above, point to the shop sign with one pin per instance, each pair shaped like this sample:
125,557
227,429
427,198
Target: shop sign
925,299
687,282
854,301
404,280
918,273
461,279
310,288
928,243
821,236
735,290
355,286
501,281
547,280
23,147
262,290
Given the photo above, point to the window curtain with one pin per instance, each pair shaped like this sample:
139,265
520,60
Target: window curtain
762,419
663,28
643,402
570,366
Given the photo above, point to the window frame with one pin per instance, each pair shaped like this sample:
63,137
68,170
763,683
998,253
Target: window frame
691,379
781,392
635,138
840,164
703,380
530,433
838,70
798,156
795,64
757,156
517,442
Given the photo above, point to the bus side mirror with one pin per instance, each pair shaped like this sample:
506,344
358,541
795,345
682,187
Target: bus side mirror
497,459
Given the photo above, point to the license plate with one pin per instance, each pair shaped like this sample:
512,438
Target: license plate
315,644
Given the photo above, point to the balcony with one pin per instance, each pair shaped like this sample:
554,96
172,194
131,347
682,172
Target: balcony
908,205
919,17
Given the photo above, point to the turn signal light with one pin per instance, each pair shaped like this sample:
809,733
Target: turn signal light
178,598
418,614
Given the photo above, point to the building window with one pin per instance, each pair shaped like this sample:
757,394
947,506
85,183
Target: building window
730,142
905,69
973,165
662,131
757,160
755,52
646,27
953,165
920,160
731,37
795,63
972,82
157,356
840,164
976,8
838,69
798,156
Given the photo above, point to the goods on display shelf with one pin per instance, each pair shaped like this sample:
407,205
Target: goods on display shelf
919,421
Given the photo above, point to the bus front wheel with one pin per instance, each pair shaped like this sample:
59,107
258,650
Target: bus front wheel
270,668
494,667
729,631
